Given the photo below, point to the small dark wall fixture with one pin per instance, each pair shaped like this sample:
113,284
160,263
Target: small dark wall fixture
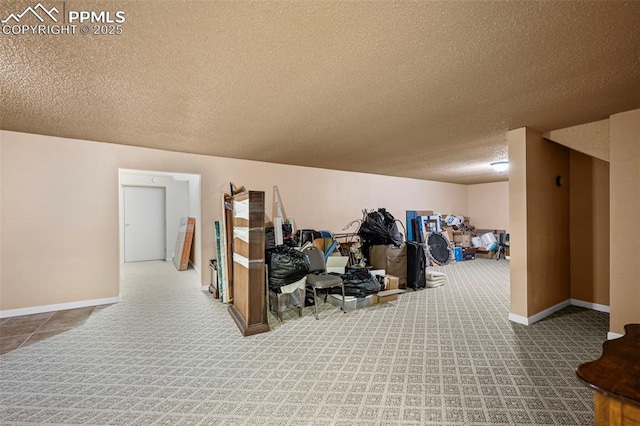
559,181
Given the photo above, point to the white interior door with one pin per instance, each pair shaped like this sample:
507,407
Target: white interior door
144,223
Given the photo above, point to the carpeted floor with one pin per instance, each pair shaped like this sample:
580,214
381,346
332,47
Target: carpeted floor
170,354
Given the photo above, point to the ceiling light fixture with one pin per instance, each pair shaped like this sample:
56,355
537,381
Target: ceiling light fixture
500,166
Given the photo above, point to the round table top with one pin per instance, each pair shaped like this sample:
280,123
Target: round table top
617,371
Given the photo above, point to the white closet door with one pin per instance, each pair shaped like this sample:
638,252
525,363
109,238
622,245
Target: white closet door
144,223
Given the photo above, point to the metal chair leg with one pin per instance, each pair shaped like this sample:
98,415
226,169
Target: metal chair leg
315,301
342,287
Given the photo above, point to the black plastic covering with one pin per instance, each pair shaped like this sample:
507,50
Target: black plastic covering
378,228
286,266
358,283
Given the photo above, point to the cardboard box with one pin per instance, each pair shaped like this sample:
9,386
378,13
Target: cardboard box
449,231
462,240
337,264
386,296
484,254
391,282
469,253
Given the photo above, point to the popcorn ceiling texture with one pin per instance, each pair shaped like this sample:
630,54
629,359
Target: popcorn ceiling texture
591,138
418,89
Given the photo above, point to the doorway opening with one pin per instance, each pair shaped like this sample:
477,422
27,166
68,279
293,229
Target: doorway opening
151,204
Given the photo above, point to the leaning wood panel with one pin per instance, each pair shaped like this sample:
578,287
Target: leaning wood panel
183,243
248,309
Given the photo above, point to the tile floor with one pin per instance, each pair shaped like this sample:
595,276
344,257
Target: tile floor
24,330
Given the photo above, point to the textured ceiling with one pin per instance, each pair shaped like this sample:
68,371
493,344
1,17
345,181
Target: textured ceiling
591,138
419,89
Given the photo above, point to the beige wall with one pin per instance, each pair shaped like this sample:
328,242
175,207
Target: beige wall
539,220
517,145
625,226
489,205
59,218
589,228
547,223
59,221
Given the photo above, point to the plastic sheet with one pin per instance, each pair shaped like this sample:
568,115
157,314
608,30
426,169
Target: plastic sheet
286,266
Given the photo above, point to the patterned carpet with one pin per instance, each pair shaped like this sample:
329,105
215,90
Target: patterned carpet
170,354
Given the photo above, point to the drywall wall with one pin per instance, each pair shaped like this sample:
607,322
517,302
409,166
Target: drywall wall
589,228
539,220
59,221
489,205
193,182
60,239
517,146
176,204
625,227
547,223
590,138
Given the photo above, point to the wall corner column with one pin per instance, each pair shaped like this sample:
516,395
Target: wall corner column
624,272
517,145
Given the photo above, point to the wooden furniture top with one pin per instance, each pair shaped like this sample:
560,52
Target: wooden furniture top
617,371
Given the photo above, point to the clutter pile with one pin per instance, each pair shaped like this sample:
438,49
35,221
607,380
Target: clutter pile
470,242
371,262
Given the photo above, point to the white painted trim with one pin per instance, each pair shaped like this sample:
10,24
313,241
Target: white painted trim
589,305
540,315
58,307
518,318
195,268
555,308
611,335
204,288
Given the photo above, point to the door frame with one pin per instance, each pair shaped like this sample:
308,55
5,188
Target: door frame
194,210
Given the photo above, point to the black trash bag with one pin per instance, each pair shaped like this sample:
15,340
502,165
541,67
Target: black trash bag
358,283
379,228
287,232
286,266
269,238
288,236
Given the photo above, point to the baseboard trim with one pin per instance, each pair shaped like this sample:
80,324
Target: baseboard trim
518,318
590,305
58,307
195,268
540,315
611,335
204,288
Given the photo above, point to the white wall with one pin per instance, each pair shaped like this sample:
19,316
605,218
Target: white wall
489,205
59,221
194,211
177,203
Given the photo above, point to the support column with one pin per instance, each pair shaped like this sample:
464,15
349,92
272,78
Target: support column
625,227
539,226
